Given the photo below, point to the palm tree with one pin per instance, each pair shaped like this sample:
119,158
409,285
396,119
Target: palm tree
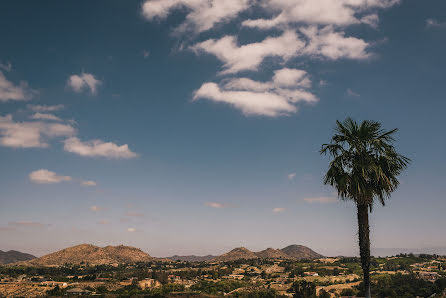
364,168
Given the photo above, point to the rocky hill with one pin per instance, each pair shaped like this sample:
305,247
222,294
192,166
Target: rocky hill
271,253
191,258
295,252
301,252
13,256
236,254
93,255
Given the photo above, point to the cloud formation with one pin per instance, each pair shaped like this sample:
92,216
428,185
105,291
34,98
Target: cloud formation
434,23
88,183
274,98
31,134
43,176
45,116
278,210
237,58
202,15
84,81
98,148
43,108
291,176
319,12
321,200
10,91
214,205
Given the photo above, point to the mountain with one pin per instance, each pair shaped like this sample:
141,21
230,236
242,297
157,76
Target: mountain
296,252
271,253
236,254
13,256
301,252
94,255
191,258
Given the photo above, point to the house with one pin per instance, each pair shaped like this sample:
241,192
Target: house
148,283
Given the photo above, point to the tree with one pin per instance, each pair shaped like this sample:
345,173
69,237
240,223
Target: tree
364,168
303,289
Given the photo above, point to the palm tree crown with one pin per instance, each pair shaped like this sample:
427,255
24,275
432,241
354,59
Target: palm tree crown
365,164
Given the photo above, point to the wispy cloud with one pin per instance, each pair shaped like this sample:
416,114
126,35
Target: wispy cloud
88,183
43,176
43,108
215,205
13,92
98,148
45,116
278,210
434,23
291,176
273,98
31,134
321,200
83,81
350,92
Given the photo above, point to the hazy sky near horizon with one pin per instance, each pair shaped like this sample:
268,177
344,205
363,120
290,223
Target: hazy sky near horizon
193,126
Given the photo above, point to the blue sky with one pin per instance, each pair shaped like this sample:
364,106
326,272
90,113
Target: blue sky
193,126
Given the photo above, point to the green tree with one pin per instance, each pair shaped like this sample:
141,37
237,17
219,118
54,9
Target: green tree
364,168
303,289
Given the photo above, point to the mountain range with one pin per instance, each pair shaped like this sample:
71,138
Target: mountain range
95,255
13,256
292,252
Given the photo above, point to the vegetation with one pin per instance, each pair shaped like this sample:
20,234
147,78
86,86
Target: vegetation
364,168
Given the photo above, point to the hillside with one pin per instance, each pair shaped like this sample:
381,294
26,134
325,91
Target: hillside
296,252
271,253
236,254
94,255
13,256
191,258
301,252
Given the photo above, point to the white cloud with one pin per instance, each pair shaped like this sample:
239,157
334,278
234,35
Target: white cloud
88,183
30,134
318,12
214,205
45,116
98,148
42,108
202,15
432,22
274,98
43,176
291,176
10,91
249,57
321,200
352,93
84,81
278,210
326,43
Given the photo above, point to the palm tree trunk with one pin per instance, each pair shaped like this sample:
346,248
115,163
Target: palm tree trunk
364,245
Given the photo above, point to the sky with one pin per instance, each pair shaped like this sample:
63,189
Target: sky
194,126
